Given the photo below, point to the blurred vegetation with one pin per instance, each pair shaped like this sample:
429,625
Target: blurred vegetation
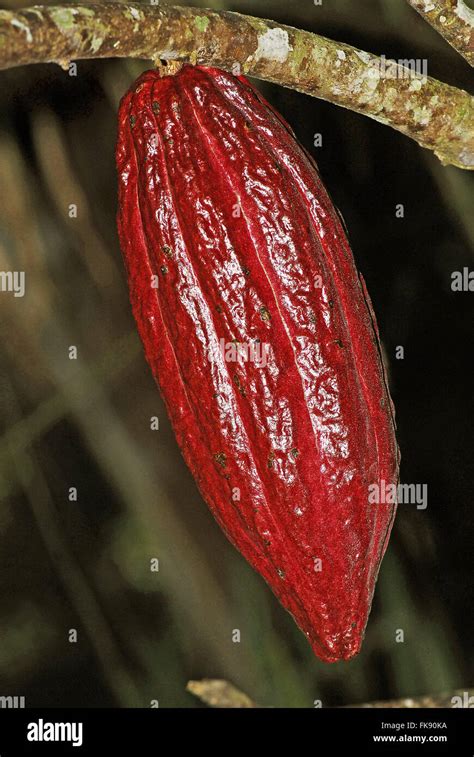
85,423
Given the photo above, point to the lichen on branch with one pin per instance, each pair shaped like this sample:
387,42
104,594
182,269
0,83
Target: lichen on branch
453,19
438,116
218,693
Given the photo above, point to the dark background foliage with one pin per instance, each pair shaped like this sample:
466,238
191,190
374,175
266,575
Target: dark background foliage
85,423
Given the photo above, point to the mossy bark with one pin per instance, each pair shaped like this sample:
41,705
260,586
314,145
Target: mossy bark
438,116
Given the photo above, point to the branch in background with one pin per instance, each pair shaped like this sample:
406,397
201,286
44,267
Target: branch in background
460,698
217,693
453,19
436,115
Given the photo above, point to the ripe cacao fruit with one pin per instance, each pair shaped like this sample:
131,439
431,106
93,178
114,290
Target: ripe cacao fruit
262,339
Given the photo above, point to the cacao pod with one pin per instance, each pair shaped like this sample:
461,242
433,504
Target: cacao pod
262,339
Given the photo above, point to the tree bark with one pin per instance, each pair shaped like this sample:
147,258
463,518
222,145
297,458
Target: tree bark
218,693
436,115
453,19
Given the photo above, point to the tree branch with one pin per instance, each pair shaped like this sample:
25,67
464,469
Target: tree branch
453,19
436,115
218,693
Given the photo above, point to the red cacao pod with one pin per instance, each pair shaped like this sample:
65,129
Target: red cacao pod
221,206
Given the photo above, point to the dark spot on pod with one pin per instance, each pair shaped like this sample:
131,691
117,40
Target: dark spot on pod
294,453
245,270
267,542
163,269
264,314
168,251
133,121
278,166
331,303
221,459
239,385
339,343
155,107
271,459
312,318
218,308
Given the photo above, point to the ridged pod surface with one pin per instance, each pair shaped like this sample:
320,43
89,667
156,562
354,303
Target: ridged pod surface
262,339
